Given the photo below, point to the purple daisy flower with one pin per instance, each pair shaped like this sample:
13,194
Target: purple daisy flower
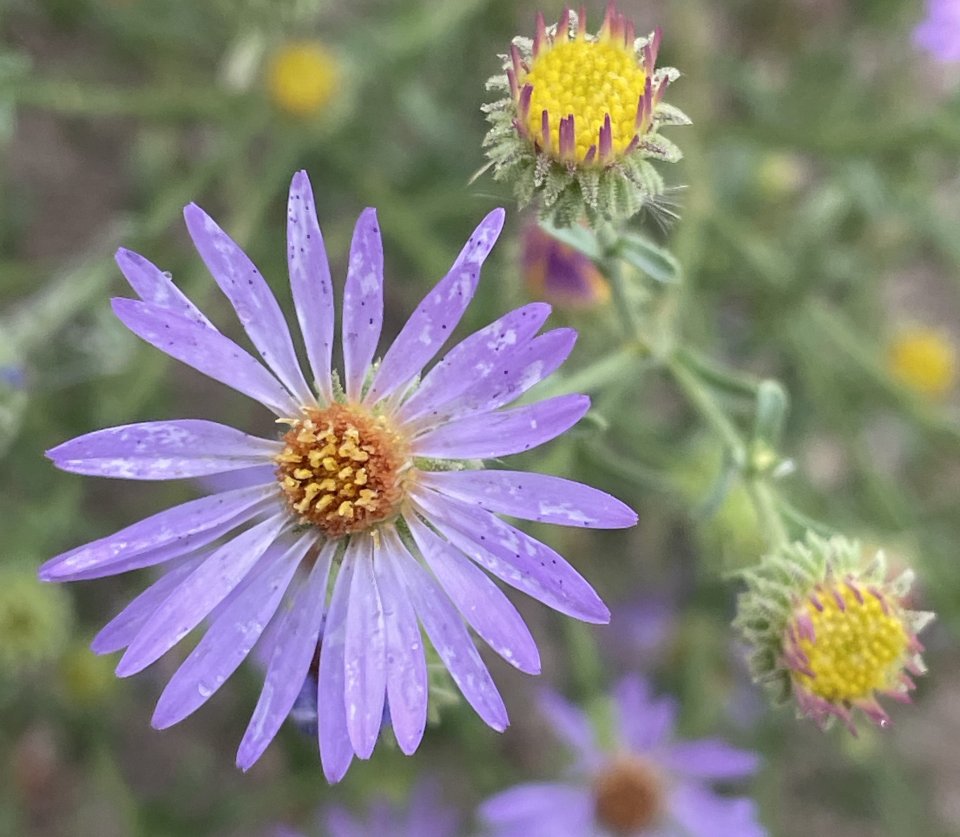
647,785
939,32
374,490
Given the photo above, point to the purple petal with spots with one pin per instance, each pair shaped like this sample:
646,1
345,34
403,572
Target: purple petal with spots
407,687
336,750
472,360
162,450
434,320
517,372
310,281
645,722
478,599
156,287
168,534
205,350
120,631
514,557
198,594
251,298
230,637
701,813
710,759
573,728
365,667
294,647
362,302
452,642
539,497
503,433
540,810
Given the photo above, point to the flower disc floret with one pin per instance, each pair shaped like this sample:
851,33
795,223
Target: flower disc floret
341,469
848,642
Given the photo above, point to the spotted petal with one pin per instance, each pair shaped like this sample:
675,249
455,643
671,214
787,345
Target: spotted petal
434,320
156,287
162,450
251,298
362,302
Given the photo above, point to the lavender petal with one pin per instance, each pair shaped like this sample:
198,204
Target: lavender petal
701,813
478,599
310,281
207,351
472,360
515,373
434,320
710,759
160,537
544,809
513,557
407,686
539,497
573,727
296,638
503,433
451,640
198,594
156,287
230,637
251,298
162,450
336,749
362,302
365,666
645,722
120,631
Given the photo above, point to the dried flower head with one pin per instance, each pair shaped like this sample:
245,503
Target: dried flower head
302,77
581,118
830,630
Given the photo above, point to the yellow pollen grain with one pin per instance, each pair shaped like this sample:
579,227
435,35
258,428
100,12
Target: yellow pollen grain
856,651
588,79
319,474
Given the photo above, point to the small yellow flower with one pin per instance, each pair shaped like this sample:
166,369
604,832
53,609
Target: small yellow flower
303,77
832,632
924,360
580,116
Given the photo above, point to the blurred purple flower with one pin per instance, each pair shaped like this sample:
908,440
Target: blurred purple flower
355,462
560,275
425,815
647,785
939,32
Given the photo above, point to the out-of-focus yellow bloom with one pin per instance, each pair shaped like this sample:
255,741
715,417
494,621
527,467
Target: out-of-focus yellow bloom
302,77
924,360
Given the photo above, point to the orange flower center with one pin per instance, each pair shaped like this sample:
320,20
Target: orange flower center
628,795
342,469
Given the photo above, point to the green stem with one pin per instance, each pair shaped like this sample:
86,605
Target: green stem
767,508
